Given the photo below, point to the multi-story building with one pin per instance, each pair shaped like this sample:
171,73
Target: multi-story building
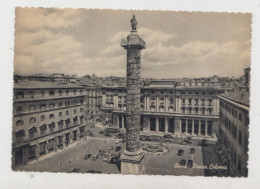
167,106
46,116
93,102
234,128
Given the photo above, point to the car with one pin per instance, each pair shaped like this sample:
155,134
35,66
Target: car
105,159
118,148
87,156
180,152
113,160
93,171
95,157
187,141
190,163
203,142
182,142
110,147
108,134
101,132
182,162
111,130
120,136
167,136
192,150
75,170
106,154
117,141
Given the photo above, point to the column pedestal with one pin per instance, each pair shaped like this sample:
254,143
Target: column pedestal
132,162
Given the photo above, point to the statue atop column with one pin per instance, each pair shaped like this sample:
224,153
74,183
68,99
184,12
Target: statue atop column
133,24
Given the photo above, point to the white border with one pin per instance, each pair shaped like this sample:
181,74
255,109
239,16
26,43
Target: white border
11,179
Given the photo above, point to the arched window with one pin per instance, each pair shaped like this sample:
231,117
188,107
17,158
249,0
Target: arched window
32,132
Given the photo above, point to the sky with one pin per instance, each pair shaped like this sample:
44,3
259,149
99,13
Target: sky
87,41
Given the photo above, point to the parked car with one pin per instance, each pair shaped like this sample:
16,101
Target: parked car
180,152
94,158
93,171
110,147
182,142
190,163
120,136
203,142
192,150
111,130
118,148
167,136
108,134
75,170
187,141
117,141
101,132
182,162
87,156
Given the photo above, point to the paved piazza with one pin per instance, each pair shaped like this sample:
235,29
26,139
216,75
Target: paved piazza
162,164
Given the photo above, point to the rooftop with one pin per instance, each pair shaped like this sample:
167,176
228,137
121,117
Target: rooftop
43,85
241,97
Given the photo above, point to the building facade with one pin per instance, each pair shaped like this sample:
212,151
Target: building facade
234,130
93,102
47,116
167,107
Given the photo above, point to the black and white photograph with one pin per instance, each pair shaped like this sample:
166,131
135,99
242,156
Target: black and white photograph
131,92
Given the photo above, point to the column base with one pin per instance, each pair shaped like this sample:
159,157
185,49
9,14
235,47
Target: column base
132,163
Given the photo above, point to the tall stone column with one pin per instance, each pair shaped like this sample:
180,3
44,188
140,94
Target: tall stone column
157,124
131,159
192,126
206,128
166,125
199,127
186,126
148,103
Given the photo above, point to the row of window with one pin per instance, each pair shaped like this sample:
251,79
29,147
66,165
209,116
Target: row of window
53,143
196,101
236,133
43,129
234,157
42,117
21,94
232,111
52,105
